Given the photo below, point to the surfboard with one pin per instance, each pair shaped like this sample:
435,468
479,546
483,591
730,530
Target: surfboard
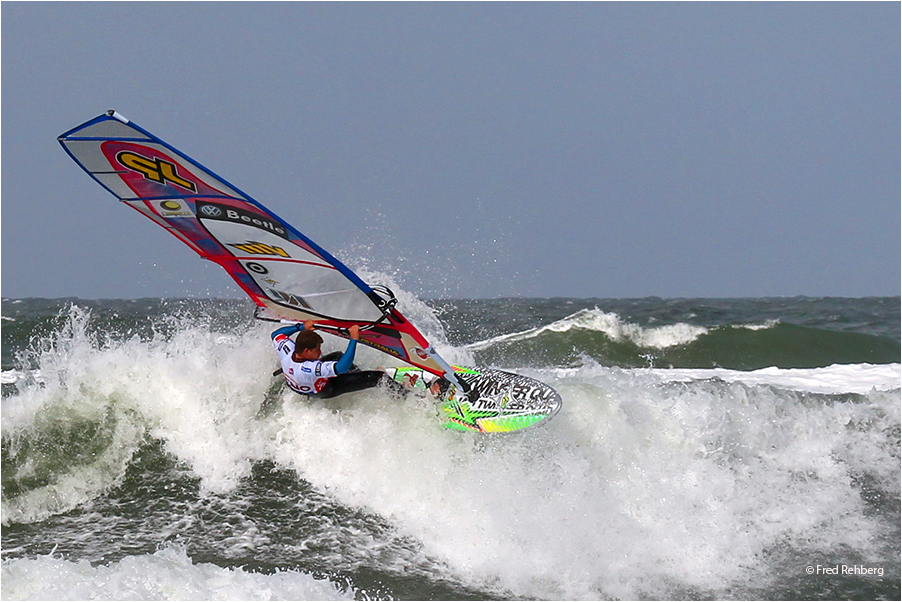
498,401
289,277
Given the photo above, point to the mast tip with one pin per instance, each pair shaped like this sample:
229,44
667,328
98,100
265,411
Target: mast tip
112,113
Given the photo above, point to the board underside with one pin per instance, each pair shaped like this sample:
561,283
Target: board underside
499,402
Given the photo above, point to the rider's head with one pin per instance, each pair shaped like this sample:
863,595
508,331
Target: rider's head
307,346
439,386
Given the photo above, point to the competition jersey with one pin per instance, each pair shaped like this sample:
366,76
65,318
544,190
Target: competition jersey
307,377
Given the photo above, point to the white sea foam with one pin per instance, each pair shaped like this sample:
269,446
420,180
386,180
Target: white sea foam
838,378
168,574
610,324
635,488
198,391
648,483
9,377
764,326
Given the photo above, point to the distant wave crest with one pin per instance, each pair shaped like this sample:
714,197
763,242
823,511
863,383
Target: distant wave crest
612,341
611,325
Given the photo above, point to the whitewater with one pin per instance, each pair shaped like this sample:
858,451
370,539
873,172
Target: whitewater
701,452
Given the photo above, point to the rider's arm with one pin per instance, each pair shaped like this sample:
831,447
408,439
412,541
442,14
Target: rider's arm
293,328
347,358
287,330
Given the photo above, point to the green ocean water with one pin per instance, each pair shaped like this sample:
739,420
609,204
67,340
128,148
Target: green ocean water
707,448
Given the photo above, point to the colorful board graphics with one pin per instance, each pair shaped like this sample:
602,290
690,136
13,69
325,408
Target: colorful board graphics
498,401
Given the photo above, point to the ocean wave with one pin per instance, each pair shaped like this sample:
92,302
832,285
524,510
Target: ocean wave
608,339
70,435
168,574
685,482
838,379
609,324
859,379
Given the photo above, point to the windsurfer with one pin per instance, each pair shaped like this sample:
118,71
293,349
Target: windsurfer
308,372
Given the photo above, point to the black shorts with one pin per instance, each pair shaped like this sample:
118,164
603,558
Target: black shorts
355,380
350,382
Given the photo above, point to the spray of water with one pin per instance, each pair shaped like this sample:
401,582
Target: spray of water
648,484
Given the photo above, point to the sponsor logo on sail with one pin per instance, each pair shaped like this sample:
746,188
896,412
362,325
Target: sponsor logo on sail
240,216
156,169
253,247
384,349
172,208
256,267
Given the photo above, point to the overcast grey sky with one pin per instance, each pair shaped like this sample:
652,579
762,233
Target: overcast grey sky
474,150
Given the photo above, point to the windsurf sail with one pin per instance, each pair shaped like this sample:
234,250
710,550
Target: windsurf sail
287,275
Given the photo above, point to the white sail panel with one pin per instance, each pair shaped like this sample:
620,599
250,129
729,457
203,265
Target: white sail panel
285,273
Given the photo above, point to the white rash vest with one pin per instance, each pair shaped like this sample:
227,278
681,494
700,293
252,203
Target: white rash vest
307,377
